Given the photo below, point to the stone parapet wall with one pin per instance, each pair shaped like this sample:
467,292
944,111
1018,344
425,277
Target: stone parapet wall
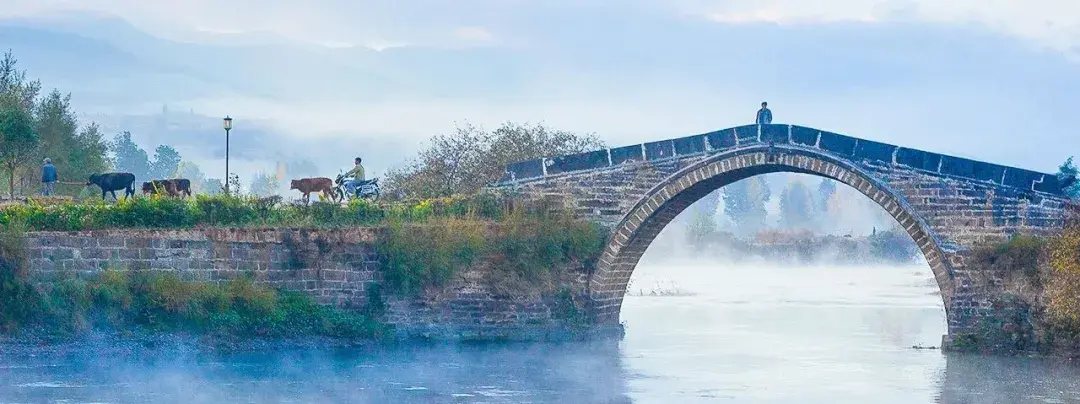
337,267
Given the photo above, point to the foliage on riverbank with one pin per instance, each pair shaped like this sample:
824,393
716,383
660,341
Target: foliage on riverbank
527,250
1040,311
239,211
426,243
423,245
163,302
160,302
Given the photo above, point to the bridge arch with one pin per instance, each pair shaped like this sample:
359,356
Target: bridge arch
660,205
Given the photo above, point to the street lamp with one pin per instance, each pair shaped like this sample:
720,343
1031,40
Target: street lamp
228,126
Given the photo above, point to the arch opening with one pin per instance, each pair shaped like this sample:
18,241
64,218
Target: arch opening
656,210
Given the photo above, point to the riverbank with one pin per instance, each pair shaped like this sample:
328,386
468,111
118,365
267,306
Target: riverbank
1039,314
455,269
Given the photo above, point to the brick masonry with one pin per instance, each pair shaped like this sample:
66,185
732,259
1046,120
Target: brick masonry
947,204
337,267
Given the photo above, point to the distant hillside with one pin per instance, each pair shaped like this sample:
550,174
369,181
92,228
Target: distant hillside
106,61
257,144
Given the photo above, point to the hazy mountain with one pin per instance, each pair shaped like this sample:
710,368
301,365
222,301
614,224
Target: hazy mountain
93,52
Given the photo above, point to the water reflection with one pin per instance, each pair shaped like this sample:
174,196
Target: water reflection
586,373
747,335
973,379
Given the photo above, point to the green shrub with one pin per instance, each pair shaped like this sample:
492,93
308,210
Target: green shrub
419,256
225,210
531,247
163,302
18,300
12,248
525,249
566,309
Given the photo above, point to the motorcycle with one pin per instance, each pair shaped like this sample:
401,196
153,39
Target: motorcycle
368,189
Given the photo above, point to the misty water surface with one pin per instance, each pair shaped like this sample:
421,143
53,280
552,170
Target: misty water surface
748,334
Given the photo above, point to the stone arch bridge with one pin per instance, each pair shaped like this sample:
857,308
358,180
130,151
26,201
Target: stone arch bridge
947,204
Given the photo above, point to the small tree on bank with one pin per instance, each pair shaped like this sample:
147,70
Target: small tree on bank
471,158
18,142
1067,173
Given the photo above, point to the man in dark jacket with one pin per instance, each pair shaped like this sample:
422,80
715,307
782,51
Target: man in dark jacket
764,116
48,178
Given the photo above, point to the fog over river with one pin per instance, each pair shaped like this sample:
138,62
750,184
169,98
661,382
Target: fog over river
756,333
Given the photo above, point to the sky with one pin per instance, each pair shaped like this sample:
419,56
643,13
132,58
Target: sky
993,80
1052,23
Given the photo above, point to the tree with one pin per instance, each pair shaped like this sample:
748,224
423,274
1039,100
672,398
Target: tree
129,157
744,203
796,206
471,158
449,165
192,172
1067,174
893,245
702,228
264,184
166,162
56,125
702,219
234,185
213,186
513,142
18,142
300,168
825,191
89,155
75,153
15,90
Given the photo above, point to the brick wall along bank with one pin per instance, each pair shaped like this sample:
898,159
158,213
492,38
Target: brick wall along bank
337,267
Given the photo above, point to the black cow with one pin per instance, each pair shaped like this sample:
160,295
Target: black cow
112,182
183,186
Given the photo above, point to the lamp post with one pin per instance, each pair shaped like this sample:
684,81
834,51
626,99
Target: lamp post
228,126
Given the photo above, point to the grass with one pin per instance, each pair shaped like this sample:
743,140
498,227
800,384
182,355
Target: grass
1018,255
527,251
240,211
162,302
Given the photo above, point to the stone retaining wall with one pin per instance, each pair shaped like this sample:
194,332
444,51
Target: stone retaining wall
337,267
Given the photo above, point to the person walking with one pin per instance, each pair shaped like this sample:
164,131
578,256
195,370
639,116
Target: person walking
48,178
764,115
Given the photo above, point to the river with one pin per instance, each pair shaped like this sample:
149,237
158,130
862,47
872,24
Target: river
745,334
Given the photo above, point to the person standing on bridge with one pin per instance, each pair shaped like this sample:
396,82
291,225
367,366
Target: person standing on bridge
764,115
48,177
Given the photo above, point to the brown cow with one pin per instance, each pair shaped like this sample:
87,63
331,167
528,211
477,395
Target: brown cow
309,185
173,187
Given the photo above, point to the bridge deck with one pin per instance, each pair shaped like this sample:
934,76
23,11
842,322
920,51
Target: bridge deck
727,139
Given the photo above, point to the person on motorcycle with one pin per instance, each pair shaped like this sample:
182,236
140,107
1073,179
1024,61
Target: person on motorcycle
356,175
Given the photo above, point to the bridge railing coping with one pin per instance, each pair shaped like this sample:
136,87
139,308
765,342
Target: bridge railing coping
833,143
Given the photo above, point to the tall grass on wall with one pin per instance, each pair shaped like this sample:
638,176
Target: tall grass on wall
416,256
240,211
525,249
